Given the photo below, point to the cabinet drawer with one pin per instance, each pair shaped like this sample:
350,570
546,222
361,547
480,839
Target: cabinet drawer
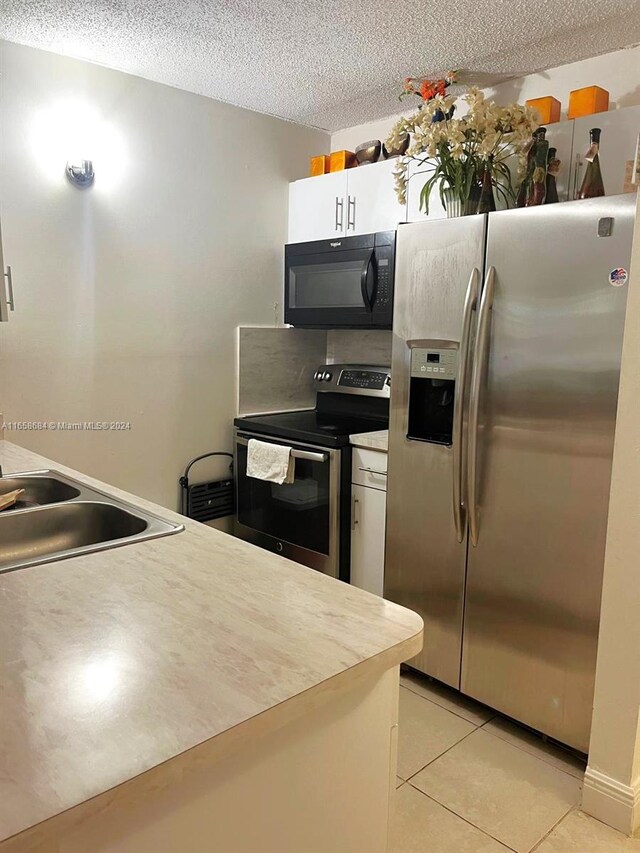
369,468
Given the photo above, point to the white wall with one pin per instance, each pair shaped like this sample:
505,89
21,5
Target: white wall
612,784
618,73
128,294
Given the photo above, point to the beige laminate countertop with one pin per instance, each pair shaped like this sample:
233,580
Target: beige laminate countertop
117,661
372,440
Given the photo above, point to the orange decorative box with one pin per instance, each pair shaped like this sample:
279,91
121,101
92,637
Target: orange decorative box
319,165
548,109
340,160
585,102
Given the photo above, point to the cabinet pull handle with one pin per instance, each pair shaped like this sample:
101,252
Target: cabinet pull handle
10,286
339,213
354,520
373,471
576,177
351,223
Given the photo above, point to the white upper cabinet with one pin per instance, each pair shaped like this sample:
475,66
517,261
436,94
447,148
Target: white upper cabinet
559,136
418,176
361,200
620,129
318,208
372,204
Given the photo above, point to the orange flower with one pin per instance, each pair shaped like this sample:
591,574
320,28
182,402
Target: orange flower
427,90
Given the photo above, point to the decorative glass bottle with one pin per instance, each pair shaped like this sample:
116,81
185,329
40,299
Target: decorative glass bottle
523,192
487,203
553,167
592,185
538,186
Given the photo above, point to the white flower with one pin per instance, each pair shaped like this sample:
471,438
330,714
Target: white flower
487,130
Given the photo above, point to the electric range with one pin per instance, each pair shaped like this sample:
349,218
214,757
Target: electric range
309,519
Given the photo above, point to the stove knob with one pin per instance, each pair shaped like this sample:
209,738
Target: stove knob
317,375
327,376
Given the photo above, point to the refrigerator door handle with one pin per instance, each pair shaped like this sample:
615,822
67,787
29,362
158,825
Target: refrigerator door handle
470,305
479,361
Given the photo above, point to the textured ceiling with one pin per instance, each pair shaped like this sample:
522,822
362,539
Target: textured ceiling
328,63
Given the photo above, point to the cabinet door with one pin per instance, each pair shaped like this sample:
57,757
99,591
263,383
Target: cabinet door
4,307
418,176
620,129
559,136
318,208
368,509
372,203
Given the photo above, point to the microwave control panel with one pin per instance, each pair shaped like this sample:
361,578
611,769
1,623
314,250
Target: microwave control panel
428,363
383,292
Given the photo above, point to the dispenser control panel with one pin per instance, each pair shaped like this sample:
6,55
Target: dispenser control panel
434,363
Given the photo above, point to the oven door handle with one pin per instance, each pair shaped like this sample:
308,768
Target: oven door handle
309,455
367,297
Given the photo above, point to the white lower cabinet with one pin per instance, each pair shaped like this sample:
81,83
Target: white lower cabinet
368,514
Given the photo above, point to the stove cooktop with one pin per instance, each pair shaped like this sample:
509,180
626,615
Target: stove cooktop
350,399
311,427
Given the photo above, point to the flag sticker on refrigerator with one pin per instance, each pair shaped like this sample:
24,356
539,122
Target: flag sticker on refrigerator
618,277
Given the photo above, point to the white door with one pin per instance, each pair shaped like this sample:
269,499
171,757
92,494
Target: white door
372,203
318,207
418,176
367,538
620,129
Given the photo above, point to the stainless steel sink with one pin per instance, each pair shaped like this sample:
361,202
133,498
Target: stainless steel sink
76,519
38,489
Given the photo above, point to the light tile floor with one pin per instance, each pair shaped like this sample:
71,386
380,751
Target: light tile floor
470,781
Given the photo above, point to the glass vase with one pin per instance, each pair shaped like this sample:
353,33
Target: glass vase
455,206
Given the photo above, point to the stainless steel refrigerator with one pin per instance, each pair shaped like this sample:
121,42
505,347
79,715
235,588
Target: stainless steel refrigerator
506,356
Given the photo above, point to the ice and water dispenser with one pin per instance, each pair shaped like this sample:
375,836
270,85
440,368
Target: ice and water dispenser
434,370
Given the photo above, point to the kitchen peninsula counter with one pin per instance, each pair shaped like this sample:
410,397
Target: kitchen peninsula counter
148,689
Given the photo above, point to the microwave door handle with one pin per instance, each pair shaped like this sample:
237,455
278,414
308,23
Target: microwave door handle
367,297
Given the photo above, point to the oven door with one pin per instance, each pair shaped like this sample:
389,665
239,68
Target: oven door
299,520
333,288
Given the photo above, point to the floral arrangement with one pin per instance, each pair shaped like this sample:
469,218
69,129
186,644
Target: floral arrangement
428,89
459,154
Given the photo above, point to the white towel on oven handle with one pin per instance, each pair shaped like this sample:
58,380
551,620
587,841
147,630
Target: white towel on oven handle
271,462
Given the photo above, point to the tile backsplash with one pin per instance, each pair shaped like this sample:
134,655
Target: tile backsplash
276,364
275,368
347,346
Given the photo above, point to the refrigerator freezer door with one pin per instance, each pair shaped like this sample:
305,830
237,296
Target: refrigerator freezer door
545,442
425,561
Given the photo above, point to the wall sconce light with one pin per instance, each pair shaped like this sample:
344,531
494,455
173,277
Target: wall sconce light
81,176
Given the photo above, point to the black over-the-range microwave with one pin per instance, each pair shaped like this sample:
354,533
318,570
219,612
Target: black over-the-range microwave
346,282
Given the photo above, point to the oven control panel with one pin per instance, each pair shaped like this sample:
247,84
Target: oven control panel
372,380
